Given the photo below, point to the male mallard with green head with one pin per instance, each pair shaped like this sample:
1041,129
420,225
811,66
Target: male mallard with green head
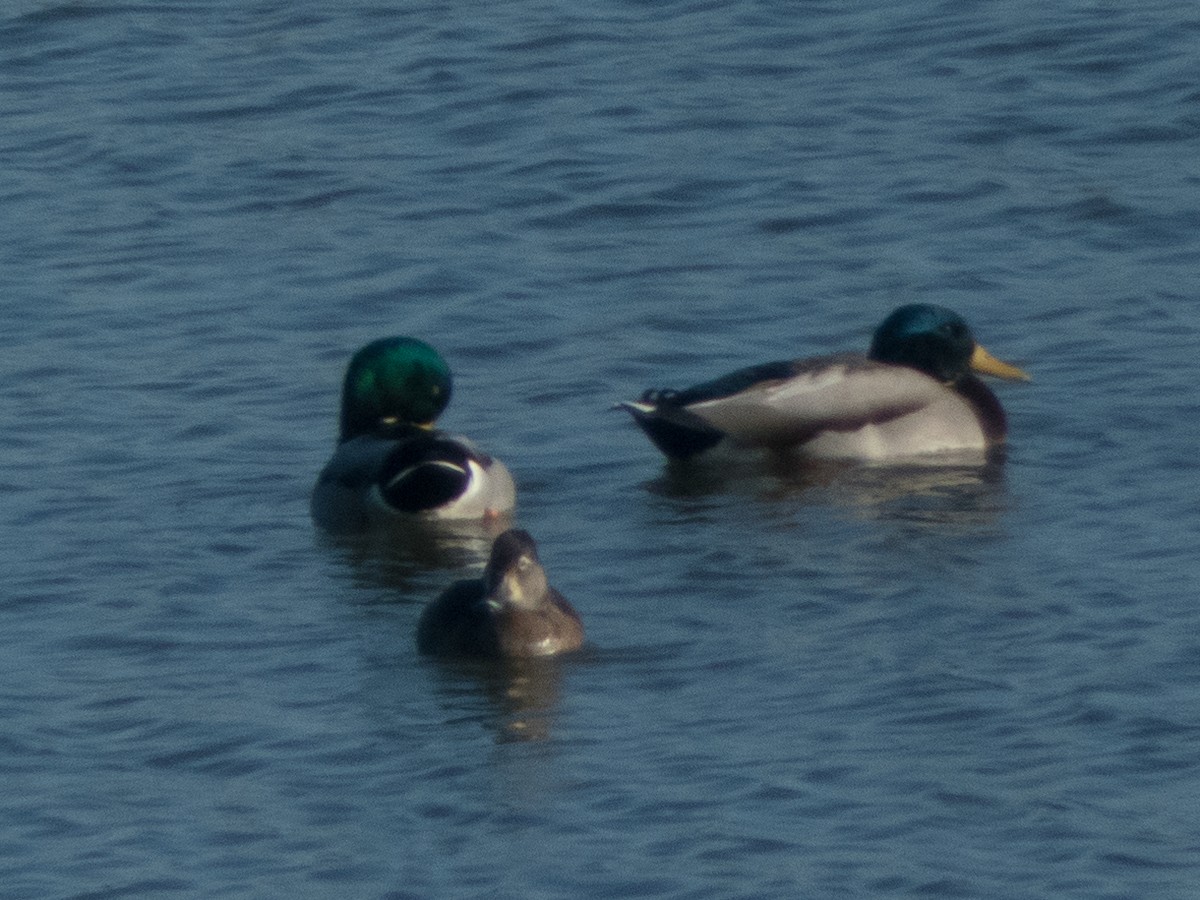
390,463
912,393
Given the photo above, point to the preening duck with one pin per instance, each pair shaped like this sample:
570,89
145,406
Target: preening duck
390,463
913,393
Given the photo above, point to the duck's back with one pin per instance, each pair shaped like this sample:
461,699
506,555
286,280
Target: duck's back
423,475
458,623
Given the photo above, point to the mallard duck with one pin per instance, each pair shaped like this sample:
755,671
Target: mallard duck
912,393
390,463
510,612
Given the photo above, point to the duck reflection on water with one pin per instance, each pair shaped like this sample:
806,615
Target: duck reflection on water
517,699
958,489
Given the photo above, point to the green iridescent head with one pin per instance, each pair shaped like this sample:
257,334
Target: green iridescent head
393,381
935,340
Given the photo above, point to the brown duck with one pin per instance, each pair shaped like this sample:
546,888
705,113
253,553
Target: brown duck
512,611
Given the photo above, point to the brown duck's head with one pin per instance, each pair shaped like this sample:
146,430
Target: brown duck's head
514,574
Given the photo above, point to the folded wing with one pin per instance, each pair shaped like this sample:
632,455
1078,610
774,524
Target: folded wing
838,394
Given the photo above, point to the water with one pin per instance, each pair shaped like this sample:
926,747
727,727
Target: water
967,682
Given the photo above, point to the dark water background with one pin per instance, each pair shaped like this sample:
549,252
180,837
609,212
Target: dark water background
916,683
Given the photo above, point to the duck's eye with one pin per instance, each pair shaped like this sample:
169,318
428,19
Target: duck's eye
956,330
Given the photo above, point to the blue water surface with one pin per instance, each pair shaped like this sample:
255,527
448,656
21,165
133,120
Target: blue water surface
955,681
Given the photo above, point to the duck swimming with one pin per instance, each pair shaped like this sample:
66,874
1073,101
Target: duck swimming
912,393
510,612
390,463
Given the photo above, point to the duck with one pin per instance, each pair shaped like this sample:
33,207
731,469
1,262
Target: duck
390,463
914,392
510,612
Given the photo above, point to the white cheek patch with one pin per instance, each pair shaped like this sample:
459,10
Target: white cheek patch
513,589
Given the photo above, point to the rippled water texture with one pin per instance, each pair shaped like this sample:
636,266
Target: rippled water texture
961,681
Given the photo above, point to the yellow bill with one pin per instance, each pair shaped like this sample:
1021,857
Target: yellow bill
985,363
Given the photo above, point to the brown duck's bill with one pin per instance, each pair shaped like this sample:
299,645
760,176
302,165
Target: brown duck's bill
985,363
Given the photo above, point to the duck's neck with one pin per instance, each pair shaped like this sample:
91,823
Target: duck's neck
986,405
